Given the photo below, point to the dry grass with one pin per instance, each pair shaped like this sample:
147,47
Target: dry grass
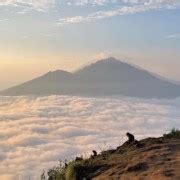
151,158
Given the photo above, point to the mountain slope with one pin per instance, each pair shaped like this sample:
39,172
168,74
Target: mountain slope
156,159
105,77
150,158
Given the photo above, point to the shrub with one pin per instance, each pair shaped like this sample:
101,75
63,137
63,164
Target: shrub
70,173
175,133
73,169
56,173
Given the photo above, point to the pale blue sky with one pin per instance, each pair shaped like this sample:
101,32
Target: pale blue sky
38,36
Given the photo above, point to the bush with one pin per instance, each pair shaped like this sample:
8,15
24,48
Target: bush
74,170
70,171
175,133
57,173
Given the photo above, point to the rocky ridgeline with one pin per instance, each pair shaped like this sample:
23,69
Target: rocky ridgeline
151,158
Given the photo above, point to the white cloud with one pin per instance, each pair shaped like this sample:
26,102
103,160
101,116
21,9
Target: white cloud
3,20
173,36
35,132
39,5
130,7
44,5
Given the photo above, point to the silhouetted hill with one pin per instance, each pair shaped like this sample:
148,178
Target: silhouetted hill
103,78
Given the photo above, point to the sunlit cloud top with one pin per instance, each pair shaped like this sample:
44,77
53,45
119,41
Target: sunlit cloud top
48,128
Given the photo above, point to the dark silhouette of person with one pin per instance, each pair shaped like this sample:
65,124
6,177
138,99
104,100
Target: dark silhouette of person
94,153
78,159
130,137
132,141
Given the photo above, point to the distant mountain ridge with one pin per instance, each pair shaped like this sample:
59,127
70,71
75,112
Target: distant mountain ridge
106,77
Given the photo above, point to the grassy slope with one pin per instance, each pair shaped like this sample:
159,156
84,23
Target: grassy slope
156,159
151,158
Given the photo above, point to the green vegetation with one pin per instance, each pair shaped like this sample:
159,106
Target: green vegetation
175,133
76,169
70,172
57,173
65,171
73,168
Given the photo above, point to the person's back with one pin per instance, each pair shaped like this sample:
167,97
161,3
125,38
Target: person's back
130,137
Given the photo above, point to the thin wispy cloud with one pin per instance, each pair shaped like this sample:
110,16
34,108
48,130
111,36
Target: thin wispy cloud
173,36
24,37
39,5
129,7
3,20
42,5
45,4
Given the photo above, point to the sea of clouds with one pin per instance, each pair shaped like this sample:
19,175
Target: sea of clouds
37,132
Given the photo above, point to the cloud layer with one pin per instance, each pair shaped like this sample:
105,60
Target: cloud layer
112,7
125,7
35,132
38,5
173,36
47,4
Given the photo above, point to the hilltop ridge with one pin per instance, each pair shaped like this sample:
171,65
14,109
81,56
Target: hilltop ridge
150,158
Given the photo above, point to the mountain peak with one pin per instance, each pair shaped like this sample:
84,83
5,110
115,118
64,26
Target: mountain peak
104,67
112,59
109,60
105,77
58,72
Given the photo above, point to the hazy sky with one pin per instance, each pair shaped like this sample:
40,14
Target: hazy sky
39,36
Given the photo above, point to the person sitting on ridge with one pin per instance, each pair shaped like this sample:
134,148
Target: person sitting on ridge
130,138
131,141
94,153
